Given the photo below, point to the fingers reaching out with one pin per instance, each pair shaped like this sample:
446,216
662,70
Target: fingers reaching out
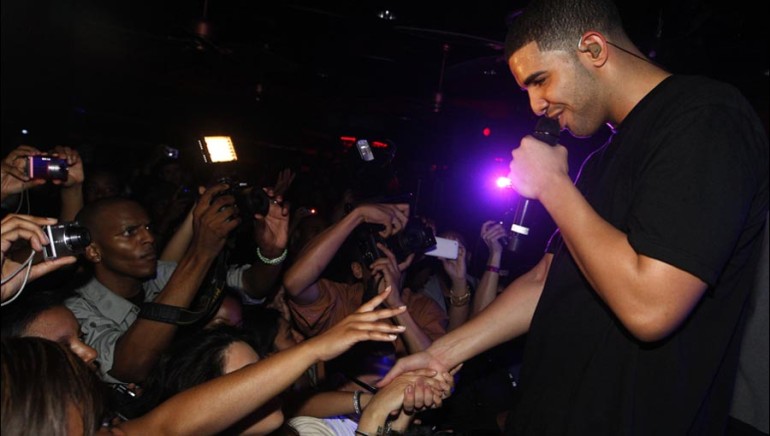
366,324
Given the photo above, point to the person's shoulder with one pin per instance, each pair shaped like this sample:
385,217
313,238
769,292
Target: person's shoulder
699,90
167,264
91,290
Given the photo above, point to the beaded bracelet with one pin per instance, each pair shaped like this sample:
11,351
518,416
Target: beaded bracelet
357,402
493,269
275,261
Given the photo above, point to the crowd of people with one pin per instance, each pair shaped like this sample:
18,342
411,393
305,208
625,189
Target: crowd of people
181,310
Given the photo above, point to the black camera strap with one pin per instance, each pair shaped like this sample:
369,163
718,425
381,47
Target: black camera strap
209,299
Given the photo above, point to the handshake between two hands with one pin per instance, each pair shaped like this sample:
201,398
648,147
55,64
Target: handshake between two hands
402,395
414,391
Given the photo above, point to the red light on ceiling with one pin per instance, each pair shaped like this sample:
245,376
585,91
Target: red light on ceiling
486,131
347,141
378,144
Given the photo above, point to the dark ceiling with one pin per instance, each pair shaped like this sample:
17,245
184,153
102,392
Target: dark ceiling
298,74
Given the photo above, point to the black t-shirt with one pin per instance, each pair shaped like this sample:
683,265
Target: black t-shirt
686,178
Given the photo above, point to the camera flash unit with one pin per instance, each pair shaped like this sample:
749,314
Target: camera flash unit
217,149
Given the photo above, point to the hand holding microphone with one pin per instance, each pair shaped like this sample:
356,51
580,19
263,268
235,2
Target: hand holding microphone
546,130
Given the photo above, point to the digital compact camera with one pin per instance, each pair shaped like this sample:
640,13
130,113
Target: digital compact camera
65,239
47,167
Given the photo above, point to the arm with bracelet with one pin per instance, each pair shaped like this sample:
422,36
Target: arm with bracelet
460,291
332,403
271,234
493,233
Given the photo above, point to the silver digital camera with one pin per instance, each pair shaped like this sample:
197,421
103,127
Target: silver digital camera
66,239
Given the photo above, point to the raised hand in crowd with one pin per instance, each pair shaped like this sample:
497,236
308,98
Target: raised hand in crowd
271,236
493,234
387,272
271,231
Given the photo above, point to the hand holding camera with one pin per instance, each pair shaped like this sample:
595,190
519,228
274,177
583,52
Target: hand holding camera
249,199
68,167
14,174
392,217
47,168
34,231
26,167
214,216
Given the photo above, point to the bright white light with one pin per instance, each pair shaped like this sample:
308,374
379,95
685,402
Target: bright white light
220,148
386,15
503,182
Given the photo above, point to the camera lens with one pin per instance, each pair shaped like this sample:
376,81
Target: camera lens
67,239
415,237
255,201
76,237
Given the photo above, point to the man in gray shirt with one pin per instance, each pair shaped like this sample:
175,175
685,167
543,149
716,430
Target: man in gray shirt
127,273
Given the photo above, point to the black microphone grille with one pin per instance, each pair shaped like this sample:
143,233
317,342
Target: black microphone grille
547,130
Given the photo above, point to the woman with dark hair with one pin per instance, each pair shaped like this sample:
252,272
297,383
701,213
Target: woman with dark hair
206,355
47,390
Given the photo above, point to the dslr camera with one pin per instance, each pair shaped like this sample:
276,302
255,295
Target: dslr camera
415,237
250,199
47,167
66,239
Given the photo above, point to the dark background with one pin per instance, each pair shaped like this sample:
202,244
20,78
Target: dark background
287,79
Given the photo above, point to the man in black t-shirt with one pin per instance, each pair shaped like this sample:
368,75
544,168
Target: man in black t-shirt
635,313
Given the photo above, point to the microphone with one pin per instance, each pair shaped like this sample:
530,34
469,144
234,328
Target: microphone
546,130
